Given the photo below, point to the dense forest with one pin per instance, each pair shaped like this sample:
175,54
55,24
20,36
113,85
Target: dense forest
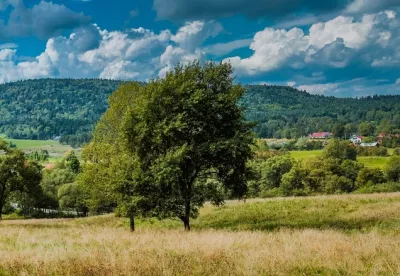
47,108
285,112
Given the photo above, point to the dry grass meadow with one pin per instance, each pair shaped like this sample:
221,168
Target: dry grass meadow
338,235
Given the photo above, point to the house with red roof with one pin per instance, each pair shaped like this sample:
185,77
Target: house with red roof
320,135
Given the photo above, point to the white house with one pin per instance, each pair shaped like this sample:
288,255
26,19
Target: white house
356,139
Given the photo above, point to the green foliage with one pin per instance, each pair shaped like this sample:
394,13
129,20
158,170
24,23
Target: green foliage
370,176
366,129
47,108
372,151
338,130
72,196
183,140
392,169
297,113
294,182
19,177
335,184
273,169
396,151
341,150
38,155
65,172
185,128
44,109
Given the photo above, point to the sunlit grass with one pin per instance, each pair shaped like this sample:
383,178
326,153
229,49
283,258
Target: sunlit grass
369,161
325,235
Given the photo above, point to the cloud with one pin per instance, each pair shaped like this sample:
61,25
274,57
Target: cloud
43,20
194,33
373,40
319,88
365,6
91,52
359,87
8,46
183,10
398,81
221,49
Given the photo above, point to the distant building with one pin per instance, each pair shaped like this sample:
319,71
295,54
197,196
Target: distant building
370,145
320,135
356,139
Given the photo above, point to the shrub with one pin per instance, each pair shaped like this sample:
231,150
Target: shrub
372,151
293,182
390,187
340,149
335,184
396,151
274,168
392,169
370,175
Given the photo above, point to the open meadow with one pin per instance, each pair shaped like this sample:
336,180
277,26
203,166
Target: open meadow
369,161
54,148
328,235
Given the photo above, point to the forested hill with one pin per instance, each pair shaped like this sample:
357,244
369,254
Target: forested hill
43,109
285,112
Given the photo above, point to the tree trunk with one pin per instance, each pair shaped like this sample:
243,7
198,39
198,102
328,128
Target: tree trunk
186,222
132,222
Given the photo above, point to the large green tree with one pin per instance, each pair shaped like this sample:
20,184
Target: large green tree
17,174
183,130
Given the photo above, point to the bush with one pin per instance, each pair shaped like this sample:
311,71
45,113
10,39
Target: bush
372,151
341,150
370,176
293,182
392,169
396,151
390,187
335,184
273,169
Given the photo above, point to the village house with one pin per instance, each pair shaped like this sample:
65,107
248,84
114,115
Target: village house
320,135
356,139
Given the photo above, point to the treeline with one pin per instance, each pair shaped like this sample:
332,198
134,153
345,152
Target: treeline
35,192
48,108
337,171
285,112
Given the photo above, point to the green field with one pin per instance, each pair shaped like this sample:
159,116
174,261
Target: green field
369,161
325,235
55,149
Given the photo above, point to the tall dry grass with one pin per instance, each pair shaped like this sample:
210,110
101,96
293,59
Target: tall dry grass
27,250
103,246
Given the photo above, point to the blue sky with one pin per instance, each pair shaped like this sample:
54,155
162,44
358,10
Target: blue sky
336,47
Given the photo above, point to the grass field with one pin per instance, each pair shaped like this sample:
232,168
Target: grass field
55,149
369,161
326,235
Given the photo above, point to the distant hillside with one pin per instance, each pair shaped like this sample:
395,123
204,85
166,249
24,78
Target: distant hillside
43,109
288,113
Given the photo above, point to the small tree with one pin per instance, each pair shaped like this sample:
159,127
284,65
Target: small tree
181,131
341,150
338,130
393,169
16,174
368,176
